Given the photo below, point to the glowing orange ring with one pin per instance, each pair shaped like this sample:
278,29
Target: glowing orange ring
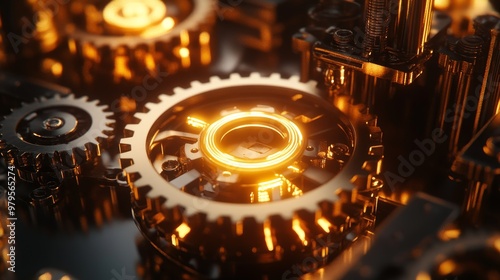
291,133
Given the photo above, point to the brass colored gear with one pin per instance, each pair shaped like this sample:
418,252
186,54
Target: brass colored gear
258,170
133,38
56,134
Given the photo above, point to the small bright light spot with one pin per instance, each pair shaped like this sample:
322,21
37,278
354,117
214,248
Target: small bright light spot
204,38
299,231
268,236
423,276
45,276
184,52
183,229
197,123
324,224
168,23
496,244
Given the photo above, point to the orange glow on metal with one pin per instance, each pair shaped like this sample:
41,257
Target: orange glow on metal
52,66
299,230
150,63
423,276
267,235
292,135
297,97
324,224
405,196
90,52
45,276
183,229
185,38
195,122
263,196
206,54
496,244
121,69
264,187
167,23
134,15
450,234
185,59
274,183
239,228
441,4
447,267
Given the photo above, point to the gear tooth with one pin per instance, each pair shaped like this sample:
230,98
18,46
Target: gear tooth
312,83
164,97
179,90
235,76
81,154
109,115
127,133
215,79
140,115
195,84
294,78
84,98
125,163
148,106
124,148
275,76
255,75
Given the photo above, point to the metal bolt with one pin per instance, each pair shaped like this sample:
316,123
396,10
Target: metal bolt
170,165
53,123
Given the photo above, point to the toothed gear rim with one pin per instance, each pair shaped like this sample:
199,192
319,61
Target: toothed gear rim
61,128
215,226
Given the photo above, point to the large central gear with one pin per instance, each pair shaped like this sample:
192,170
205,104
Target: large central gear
56,134
257,170
133,38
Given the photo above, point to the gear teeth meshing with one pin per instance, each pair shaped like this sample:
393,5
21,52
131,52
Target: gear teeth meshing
64,157
182,220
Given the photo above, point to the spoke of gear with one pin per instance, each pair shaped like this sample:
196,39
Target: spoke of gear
247,173
126,39
55,135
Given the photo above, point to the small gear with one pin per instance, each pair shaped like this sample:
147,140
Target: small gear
256,170
130,39
58,135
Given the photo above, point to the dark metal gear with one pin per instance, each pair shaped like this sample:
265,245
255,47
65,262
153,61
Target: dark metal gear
252,173
55,135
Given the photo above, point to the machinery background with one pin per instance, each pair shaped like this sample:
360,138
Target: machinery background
412,144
